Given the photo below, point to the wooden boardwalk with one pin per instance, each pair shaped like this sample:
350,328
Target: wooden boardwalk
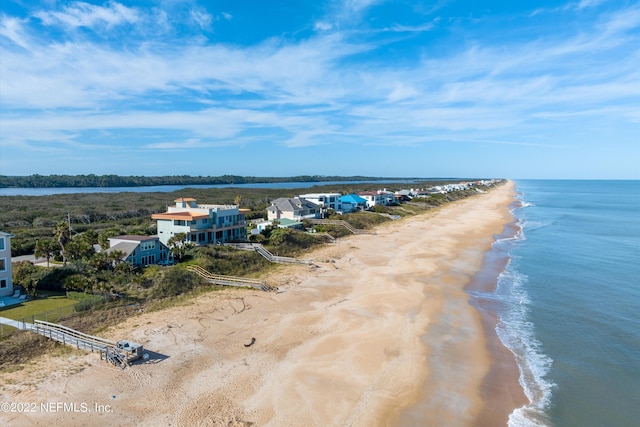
71,337
230,280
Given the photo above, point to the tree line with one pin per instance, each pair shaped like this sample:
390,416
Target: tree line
91,180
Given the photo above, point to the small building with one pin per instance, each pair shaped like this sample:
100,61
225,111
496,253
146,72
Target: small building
140,250
295,208
280,223
202,224
6,275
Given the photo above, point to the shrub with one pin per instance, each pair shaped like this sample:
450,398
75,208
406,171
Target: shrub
174,281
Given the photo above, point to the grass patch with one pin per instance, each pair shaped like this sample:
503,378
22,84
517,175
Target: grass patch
53,304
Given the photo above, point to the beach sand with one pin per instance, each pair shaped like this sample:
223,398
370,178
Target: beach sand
380,332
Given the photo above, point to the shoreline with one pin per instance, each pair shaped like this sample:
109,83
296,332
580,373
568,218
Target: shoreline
501,390
381,325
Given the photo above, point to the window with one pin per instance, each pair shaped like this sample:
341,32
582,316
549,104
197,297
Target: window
3,264
3,283
2,247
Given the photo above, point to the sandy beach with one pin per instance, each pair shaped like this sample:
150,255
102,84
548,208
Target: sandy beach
380,332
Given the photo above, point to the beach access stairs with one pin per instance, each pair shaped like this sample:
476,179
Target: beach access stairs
70,336
341,223
257,247
230,280
108,349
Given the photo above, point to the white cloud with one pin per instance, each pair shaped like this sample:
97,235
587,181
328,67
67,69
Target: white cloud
401,91
308,92
323,26
589,3
81,14
413,29
201,18
12,29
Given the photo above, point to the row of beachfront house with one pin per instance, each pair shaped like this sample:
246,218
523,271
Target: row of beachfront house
211,224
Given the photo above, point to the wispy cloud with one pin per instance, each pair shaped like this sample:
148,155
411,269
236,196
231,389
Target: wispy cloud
81,14
326,87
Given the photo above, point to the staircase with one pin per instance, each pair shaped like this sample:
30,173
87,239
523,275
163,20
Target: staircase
230,280
279,259
112,356
342,223
257,247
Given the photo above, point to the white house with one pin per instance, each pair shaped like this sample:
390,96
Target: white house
296,209
325,200
202,224
380,197
140,250
6,278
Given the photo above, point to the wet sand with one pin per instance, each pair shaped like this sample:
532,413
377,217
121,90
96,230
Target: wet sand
380,332
501,391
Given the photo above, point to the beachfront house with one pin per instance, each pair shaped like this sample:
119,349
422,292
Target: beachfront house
352,203
295,208
324,200
202,224
140,250
380,197
6,279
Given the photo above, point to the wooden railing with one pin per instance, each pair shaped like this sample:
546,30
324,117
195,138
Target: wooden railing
342,223
229,280
70,336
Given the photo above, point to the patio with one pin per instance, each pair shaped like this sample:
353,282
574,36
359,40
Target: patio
14,299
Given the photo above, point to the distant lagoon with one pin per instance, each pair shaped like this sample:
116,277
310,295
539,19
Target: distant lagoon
170,188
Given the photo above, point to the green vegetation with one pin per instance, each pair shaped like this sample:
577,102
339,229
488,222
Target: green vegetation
53,304
59,181
36,218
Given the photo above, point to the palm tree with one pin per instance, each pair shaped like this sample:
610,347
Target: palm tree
46,248
62,234
177,245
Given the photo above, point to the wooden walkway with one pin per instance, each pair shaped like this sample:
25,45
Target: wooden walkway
71,337
341,223
230,280
257,247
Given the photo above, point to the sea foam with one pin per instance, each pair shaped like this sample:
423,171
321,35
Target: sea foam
517,334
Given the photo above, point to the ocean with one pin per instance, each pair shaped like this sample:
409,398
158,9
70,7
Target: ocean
568,302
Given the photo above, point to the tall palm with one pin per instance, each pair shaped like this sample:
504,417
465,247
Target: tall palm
46,248
62,233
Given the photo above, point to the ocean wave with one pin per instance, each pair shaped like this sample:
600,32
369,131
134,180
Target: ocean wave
517,334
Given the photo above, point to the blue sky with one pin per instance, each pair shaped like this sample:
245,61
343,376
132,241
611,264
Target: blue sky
516,89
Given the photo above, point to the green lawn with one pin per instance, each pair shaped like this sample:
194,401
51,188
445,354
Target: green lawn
55,306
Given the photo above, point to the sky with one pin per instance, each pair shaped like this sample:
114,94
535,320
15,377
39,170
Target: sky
398,88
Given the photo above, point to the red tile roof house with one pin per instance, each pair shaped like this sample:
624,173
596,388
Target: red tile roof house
202,224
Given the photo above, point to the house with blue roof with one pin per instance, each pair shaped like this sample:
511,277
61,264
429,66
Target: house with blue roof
351,202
